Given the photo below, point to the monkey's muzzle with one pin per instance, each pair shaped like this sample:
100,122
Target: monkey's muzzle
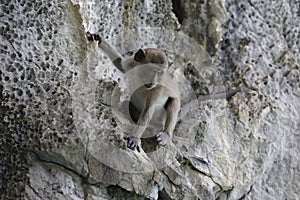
149,85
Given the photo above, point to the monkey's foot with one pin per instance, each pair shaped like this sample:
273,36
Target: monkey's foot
163,138
133,143
93,37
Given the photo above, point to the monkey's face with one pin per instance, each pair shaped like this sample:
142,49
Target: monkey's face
148,75
150,66
154,75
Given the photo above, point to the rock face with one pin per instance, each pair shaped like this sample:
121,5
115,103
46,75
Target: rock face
237,63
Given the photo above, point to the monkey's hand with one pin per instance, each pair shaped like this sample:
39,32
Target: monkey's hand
93,37
133,143
163,138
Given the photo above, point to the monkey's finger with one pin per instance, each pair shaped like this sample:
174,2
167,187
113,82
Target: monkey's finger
157,135
131,148
89,36
138,148
130,142
97,37
158,139
132,145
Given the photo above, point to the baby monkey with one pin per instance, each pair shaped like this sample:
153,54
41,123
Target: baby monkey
154,97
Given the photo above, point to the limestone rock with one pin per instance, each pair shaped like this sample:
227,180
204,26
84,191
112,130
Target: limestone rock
237,63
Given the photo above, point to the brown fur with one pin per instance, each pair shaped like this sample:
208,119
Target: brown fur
151,88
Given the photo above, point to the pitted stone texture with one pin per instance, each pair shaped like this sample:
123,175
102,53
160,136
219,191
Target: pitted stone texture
111,18
40,44
245,146
116,18
261,50
202,20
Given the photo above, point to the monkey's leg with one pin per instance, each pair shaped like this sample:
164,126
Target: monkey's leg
172,108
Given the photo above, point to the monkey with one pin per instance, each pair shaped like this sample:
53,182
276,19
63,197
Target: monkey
154,95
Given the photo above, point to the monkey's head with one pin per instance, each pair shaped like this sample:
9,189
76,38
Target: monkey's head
151,55
155,63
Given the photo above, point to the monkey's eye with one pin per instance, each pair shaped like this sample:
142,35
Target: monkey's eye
140,55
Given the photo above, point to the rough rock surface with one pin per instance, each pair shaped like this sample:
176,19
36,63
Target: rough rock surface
61,139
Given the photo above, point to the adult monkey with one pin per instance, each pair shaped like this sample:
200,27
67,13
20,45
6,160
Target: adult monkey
152,98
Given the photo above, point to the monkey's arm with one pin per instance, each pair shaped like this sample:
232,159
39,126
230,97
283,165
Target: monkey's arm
109,50
145,117
113,55
172,108
134,141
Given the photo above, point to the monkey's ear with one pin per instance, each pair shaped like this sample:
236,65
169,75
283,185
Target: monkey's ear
140,55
